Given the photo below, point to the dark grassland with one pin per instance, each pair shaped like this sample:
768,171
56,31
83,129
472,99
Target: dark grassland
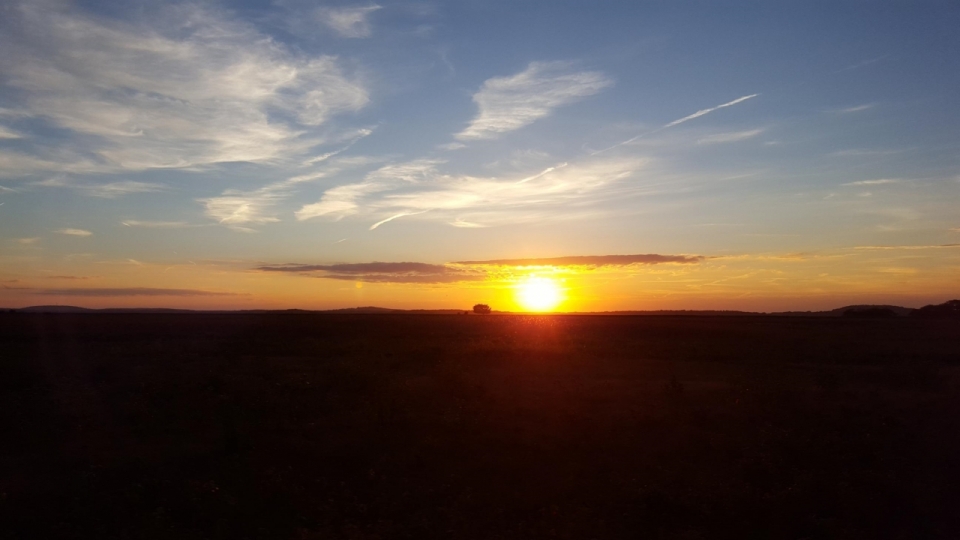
479,427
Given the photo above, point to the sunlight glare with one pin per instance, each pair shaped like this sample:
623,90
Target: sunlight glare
539,294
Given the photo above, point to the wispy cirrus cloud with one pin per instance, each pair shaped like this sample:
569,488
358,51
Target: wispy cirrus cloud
383,272
877,182
734,136
856,108
6,133
155,224
420,187
74,232
186,87
348,22
345,200
864,152
908,247
110,190
593,260
510,103
238,208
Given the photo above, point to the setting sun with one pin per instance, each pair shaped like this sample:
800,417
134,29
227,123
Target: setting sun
539,294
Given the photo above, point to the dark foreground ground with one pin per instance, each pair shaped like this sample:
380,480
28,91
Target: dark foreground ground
445,426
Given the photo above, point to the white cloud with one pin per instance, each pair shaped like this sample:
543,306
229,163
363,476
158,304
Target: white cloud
117,189
27,241
6,133
734,136
155,224
510,103
467,201
235,207
863,152
190,87
110,190
343,201
74,232
857,108
467,224
879,182
349,22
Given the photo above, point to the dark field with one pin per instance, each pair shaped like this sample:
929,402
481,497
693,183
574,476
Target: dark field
445,426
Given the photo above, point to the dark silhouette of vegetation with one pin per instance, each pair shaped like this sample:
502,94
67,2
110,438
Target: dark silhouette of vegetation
481,309
870,313
946,310
378,426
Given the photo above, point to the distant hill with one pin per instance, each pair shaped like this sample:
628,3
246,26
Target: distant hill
946,310
900,311
75,309
949,309
364,309
357,310
55,309
682,312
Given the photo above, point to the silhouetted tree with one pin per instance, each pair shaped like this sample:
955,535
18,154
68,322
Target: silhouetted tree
481,309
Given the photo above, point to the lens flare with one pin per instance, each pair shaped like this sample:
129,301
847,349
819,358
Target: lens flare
539,294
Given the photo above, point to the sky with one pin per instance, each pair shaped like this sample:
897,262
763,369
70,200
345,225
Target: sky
762,156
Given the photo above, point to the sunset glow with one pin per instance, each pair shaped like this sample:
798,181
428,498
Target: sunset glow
539,294
226,156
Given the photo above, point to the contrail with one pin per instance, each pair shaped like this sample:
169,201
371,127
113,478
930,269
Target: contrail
702,112
391,218
697,114
545,171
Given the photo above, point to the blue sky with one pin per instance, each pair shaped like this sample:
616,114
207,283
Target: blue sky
236,135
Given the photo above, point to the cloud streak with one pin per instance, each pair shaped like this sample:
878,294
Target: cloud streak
419,186
110,190
592,260
918,247
878,182
155,224
6,133
734,136
74,232
857,108
236,208
348,22
509,103
382,272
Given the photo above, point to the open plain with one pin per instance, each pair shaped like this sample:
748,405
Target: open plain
502,426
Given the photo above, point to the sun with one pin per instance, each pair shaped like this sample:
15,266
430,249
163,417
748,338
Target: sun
539,294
